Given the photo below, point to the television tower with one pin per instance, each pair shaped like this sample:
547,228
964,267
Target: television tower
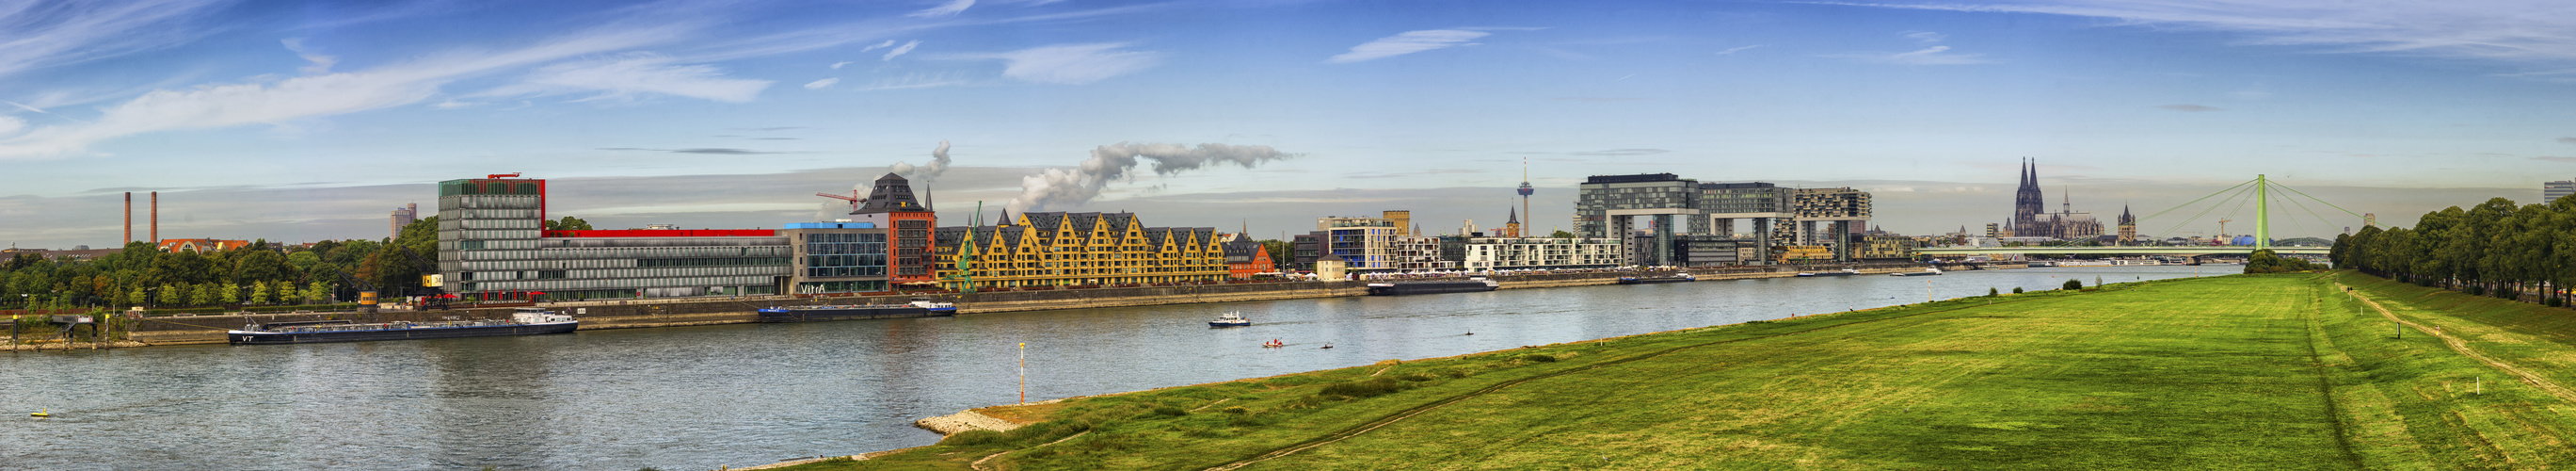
1525,193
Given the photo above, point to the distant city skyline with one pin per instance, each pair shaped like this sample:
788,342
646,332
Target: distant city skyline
304,121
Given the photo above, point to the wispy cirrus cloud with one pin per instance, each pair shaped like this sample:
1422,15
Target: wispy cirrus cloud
2191,108
702,150
952,8
633,75
821,84
2563,160
1072,64
222,105
1407,43
1737,49
44,35
1935,55
2505,30
906,48
911,81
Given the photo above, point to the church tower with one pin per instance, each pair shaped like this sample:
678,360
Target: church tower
2128,226
1512,228
2028,203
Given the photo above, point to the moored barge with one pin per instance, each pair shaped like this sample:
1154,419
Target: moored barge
1432,287
920,307
527,321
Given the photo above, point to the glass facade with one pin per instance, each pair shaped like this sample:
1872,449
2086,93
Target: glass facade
845,254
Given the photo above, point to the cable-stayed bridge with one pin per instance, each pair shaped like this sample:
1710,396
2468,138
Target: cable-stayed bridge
2260,189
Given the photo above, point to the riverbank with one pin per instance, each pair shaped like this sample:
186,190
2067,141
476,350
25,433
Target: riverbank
2235,372
682,312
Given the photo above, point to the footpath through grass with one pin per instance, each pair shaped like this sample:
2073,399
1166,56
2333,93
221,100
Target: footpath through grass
2246,372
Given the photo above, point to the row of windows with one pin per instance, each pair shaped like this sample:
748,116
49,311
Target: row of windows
487,223
709,262
575,284
454,214
864,260
488,234
876,248
627,252
630,273
486,202
845,237
546,264
819,272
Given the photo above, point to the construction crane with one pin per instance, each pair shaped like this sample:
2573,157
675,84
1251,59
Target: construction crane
854,199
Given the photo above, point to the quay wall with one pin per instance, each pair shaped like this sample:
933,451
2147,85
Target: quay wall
673,312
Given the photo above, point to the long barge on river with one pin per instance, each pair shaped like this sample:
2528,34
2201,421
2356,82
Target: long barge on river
526,321
920,307
1432,287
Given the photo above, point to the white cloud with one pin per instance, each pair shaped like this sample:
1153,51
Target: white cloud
946,9
819,84
1927,37
11,124
1407,43
321,63
2507,30
1737,49
901,50
221,105
1935,55
626,76
837,65
34,35
910,81
1073,64
888,43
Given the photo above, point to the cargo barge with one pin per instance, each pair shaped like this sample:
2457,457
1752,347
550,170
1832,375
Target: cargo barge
920,307
1647,280
1432,287
527,321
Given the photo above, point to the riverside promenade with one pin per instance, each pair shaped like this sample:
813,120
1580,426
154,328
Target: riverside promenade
678,312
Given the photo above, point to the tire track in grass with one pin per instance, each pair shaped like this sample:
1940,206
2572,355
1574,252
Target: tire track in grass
2462,346
1399,416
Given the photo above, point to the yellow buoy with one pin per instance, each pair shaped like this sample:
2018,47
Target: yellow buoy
49,412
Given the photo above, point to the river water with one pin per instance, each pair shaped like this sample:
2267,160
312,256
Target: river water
747,394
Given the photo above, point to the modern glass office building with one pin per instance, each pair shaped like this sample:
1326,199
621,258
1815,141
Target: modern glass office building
491,246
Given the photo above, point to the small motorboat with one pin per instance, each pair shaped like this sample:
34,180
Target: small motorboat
1273,343
48,412
1231,319
1328,345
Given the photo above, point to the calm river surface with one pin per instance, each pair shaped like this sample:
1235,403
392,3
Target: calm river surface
739,395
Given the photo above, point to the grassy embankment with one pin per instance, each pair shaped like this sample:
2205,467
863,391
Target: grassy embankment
2269,372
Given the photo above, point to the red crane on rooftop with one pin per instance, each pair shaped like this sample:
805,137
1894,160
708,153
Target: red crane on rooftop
854,199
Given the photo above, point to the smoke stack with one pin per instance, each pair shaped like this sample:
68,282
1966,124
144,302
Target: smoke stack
156,218
129,217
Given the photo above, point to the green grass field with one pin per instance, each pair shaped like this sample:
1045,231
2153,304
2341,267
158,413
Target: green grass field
2244,372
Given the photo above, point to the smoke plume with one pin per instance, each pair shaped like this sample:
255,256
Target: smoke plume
1061,188
927,173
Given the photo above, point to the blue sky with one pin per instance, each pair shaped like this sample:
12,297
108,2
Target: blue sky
308,120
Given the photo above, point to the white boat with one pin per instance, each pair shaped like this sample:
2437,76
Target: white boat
1925,272
1230,319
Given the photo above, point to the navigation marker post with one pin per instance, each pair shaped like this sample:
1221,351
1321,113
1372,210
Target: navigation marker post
1024,373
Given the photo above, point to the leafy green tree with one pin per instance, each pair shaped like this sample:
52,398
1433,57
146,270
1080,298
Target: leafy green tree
568,223
318,293
140,296
1562,234
259,293
206,294
303,260
231,292
261,265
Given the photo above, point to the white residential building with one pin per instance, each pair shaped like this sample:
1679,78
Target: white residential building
1524,253
1418,254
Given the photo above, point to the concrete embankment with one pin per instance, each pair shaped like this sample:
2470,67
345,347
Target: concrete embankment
673,312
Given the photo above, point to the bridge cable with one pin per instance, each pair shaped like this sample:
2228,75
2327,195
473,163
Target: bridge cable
2318,200
2303,206
2213,207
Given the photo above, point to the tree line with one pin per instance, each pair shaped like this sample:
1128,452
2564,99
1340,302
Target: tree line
263,273
2495,248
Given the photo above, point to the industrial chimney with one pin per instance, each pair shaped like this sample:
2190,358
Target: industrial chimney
129,217
156,218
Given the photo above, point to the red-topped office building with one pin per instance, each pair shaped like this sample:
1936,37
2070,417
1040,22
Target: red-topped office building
491,246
